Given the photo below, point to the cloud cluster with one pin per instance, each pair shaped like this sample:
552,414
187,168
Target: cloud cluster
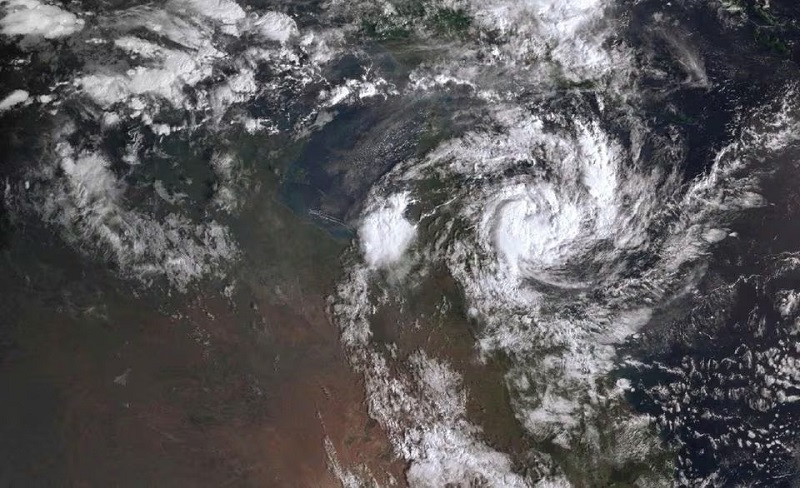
38,19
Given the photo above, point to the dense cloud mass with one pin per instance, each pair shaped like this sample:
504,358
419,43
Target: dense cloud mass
37,19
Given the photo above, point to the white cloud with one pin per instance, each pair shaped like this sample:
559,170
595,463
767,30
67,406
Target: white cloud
14,98
385,233
165,76
88,207
275,26
34,18
570,218
170,56
227,13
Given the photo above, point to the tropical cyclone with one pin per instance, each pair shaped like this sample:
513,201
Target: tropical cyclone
543,218
523,203
550,196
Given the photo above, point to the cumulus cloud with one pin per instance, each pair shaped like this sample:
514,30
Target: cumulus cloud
276,26
88,206
170,70
184,55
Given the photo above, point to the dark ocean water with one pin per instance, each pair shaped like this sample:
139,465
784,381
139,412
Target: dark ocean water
698,376
706,365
